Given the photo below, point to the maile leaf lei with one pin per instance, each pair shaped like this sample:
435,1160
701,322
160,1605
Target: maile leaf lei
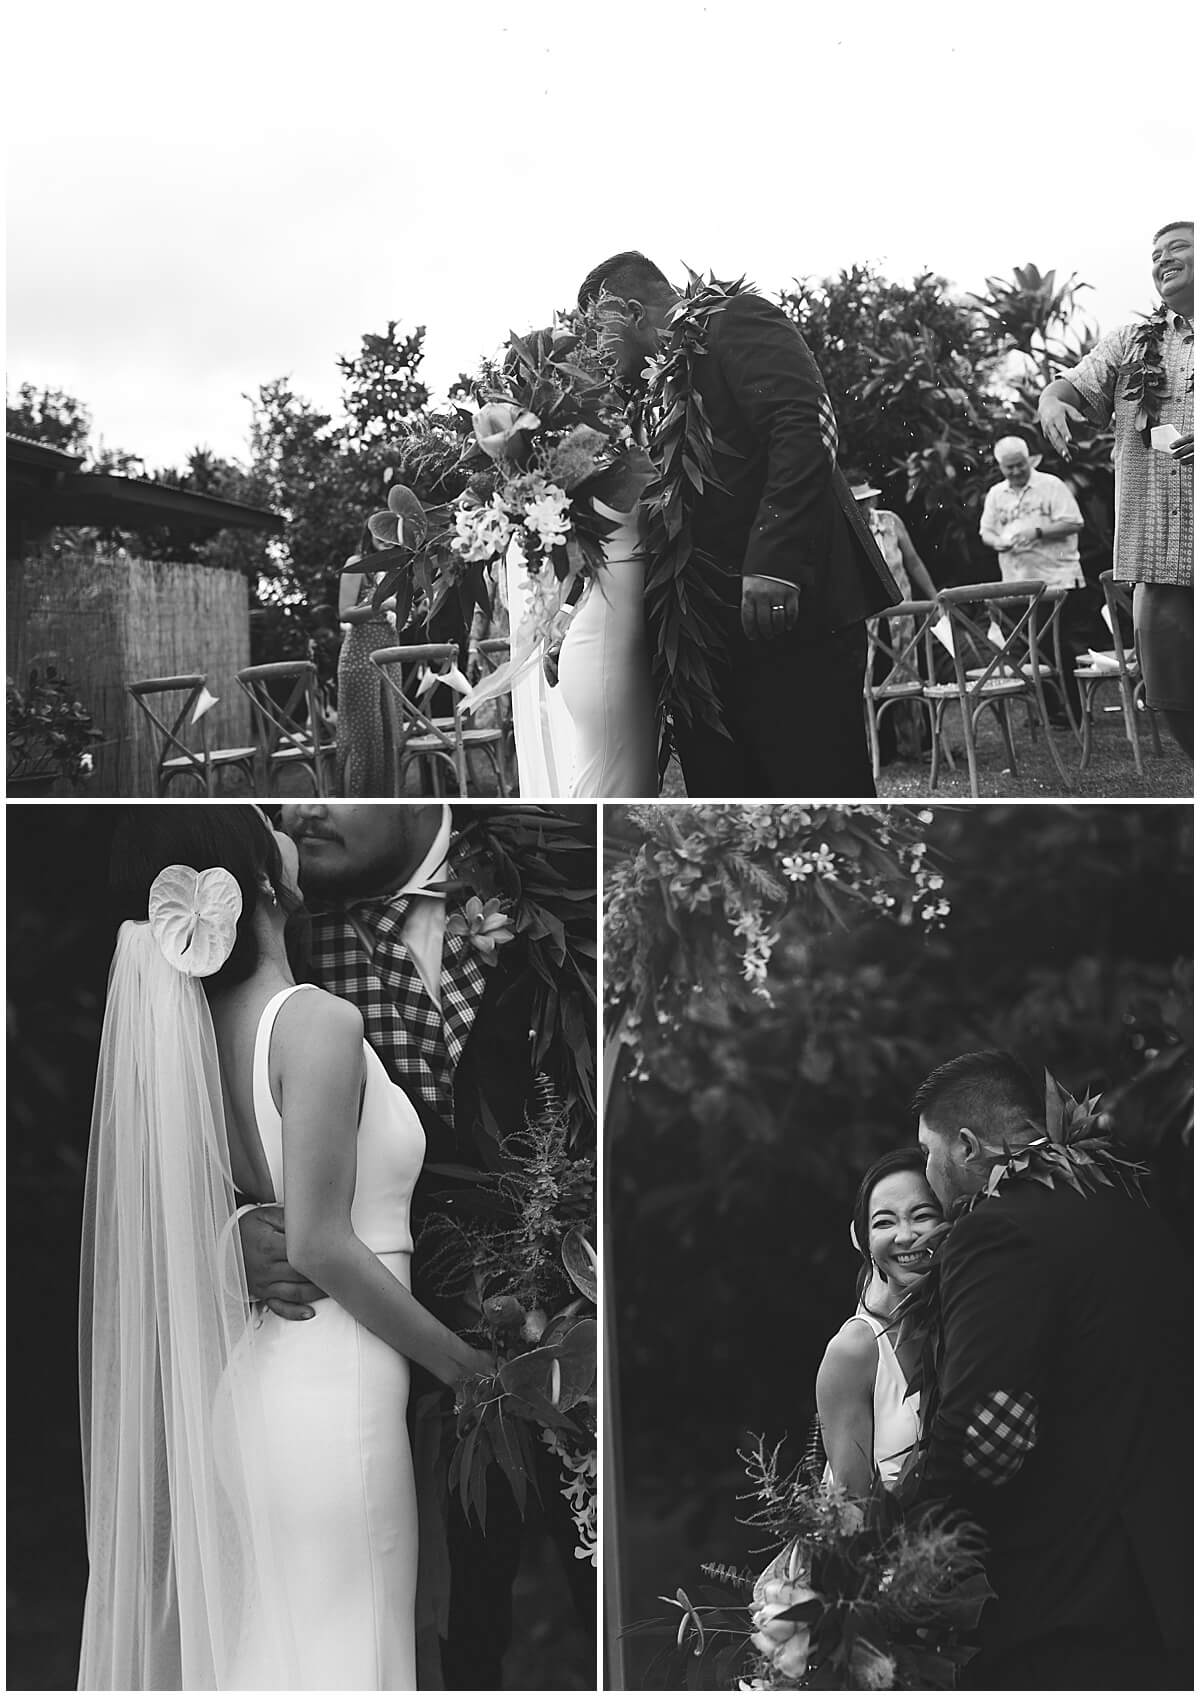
1075,1151
1144,372
683,583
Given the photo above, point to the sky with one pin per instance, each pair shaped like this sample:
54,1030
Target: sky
204,199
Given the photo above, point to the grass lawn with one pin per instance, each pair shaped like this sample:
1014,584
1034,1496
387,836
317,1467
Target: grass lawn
1110,773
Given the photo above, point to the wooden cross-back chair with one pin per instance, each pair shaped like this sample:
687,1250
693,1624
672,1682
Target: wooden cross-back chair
1121,668
440,746
289,726
183,750
898,666
992,637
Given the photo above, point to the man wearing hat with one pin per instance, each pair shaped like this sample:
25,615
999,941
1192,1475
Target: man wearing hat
900,729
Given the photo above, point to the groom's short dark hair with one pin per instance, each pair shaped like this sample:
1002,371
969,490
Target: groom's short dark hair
630,275
989,1092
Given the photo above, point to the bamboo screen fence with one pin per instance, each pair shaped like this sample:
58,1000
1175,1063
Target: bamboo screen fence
105,623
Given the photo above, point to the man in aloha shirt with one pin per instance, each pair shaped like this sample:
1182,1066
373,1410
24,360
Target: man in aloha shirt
1155,493
1033,521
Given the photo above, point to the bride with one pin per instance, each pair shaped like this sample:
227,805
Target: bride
604,674
869,1424
249,1489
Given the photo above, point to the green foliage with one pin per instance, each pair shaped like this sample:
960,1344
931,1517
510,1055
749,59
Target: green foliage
924,381
50,732
520,1240
50,416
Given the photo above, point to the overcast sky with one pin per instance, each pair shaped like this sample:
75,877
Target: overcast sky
195,208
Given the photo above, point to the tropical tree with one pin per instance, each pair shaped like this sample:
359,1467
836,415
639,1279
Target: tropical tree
925,380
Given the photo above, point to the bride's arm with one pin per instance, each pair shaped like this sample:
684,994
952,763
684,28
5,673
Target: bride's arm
318,1049
845,1406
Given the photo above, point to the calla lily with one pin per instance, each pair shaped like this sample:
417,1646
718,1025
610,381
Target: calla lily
498,427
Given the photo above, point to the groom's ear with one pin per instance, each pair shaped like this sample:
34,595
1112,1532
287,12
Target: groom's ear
969,1146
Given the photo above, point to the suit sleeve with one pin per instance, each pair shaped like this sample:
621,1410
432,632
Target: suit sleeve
778,391
996,1327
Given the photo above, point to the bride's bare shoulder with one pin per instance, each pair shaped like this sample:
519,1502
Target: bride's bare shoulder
851,1350
314,1018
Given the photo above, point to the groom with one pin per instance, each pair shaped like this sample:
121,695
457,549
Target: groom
1061,1420
801,571
456,1034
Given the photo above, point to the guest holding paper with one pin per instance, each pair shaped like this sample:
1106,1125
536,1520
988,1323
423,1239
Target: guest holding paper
1141,378
1033,521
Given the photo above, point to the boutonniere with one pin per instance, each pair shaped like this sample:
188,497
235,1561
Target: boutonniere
1144,373
487,926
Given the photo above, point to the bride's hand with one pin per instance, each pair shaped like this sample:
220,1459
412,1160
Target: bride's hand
550,664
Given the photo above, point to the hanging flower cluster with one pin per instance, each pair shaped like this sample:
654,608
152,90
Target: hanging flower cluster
579,1488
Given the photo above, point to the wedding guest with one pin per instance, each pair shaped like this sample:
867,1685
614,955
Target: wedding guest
1140,379
901,728
1032,520
1062,1415
362,751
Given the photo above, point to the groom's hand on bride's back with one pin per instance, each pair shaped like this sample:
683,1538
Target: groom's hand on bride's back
270,1277
770,607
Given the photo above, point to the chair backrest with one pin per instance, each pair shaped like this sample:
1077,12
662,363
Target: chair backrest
993,629
172,745
898,636
285,704
408,718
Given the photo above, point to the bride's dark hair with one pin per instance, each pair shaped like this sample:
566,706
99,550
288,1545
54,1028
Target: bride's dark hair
199,835
911,1160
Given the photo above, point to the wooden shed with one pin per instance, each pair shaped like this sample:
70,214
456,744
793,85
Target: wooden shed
105,621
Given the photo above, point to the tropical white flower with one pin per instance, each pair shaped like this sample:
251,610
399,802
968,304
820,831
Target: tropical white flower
548,516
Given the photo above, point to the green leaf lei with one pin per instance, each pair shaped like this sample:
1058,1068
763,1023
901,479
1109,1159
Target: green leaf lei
1146,378
1076,1151
683,583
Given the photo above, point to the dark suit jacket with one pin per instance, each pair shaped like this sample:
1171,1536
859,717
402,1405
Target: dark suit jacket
1081,1303
785,512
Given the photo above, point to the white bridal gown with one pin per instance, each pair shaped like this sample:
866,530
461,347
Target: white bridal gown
604,674
897,1415
339,1492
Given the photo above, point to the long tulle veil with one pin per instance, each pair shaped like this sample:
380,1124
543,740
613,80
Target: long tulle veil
178,1538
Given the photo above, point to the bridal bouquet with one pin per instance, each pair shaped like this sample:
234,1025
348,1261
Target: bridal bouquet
521,1241
862,1595
548,438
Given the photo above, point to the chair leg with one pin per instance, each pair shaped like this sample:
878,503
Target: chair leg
1044,716
936,750
872,735
1087,700
968,725
1129,714
1002,714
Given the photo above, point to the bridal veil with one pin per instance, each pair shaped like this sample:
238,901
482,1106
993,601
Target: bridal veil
178,1539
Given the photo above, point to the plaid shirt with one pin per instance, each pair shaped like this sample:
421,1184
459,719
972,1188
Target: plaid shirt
417,1042
1155,493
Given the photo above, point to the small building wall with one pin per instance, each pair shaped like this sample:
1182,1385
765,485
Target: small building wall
104,623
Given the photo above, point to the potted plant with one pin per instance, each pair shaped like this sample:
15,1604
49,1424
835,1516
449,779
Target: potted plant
50,734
